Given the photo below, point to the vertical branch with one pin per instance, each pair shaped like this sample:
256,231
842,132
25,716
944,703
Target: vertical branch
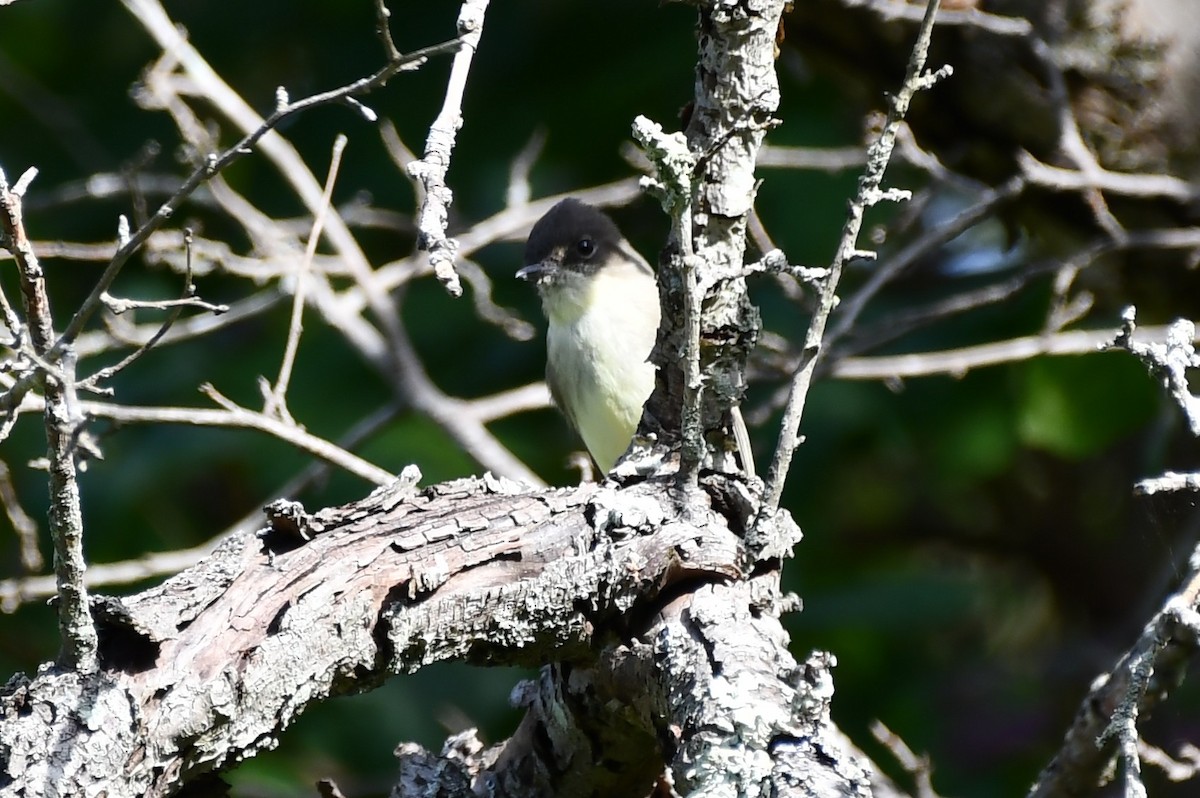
691,421
869,194
431,169
62,420
707,184
736,97
276,399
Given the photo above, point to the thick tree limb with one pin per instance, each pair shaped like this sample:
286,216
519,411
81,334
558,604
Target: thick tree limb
207,669
705,179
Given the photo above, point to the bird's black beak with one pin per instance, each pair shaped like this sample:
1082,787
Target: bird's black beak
536,272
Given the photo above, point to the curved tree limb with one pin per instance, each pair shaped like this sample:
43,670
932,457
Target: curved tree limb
208,668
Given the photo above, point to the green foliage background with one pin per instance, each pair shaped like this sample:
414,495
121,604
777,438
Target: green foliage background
973,554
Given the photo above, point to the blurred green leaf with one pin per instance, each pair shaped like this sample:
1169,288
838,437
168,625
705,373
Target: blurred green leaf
1076,406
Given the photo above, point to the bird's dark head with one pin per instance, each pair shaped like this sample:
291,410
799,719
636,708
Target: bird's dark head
572,238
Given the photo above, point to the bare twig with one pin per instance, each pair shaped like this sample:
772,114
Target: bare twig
1090,178
485,306
1169,361
1066,308
1185,239
276,398
278,253
509,224
392,353
817,159
62,421
120,305
449,413
1184,766
519,191
1141,679
22,590
902,321
234,416
401,156
107,185
850,310
691,423
93,343
257,130
957,362
869,193
1110,712
275,147
12,322
1126,184
967,17
675,164
17,591
514,222
919,767
1071,144
383,28
93,382
152,15
432,168
534,396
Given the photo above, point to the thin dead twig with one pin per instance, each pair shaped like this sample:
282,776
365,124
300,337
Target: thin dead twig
958,362
92,383
432,168
61,413
1141,679
869,193
276,397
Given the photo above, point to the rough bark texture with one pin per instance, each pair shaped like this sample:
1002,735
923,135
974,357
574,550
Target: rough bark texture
207,669
736,96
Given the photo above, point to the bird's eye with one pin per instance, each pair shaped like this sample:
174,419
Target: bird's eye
586,247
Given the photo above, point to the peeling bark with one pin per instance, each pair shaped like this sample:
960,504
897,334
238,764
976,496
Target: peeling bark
209,668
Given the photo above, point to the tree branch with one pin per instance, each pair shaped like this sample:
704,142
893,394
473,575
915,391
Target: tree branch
230,416
957,362
62,424
335,601
276,397
869,194
431,169
1140,680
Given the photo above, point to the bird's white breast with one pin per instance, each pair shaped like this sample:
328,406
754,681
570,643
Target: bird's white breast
601,331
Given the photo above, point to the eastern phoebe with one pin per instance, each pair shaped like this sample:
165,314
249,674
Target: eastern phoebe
601,300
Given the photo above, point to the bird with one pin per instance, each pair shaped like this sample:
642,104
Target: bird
600,298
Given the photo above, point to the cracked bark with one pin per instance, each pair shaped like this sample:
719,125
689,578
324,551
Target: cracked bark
658,648
668,661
